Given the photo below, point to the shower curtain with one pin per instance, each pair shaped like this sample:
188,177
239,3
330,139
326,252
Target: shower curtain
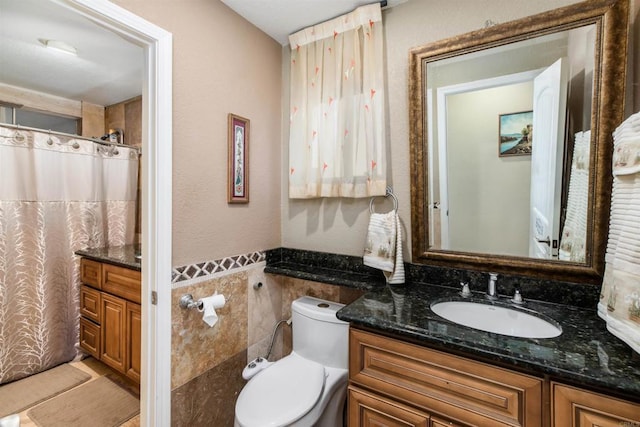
58,194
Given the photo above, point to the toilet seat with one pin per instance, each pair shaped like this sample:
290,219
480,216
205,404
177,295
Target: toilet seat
281,394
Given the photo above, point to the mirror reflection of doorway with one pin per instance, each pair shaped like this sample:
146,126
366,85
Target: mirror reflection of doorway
475,184
478,196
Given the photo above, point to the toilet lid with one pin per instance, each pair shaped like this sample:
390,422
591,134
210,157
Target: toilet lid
281,394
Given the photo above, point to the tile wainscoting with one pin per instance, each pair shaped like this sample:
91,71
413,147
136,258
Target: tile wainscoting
207,362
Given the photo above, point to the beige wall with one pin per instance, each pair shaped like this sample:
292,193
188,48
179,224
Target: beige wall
340,225
488,195
221,64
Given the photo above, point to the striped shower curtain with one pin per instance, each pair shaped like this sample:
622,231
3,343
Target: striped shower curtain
57,195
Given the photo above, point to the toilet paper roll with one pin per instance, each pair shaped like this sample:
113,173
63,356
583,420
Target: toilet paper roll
209,306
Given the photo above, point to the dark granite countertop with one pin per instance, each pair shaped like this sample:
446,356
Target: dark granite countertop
341,270
585,354
122,256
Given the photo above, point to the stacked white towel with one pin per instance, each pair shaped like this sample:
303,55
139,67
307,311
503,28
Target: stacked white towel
383,249
620,297
574,232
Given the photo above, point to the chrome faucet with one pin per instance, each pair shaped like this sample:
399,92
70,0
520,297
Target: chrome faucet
491,289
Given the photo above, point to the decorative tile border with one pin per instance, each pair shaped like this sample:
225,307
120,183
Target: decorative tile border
209,268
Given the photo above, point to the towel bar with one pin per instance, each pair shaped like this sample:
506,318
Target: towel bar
389,193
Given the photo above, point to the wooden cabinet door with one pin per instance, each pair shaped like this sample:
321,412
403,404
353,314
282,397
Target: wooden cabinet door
456,388
113,332
573,407
90,337
369,410
134,341
90,303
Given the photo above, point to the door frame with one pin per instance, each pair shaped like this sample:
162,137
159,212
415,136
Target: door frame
155,383
441,101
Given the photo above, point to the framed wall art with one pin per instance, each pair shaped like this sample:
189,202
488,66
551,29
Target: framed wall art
238,160
515,134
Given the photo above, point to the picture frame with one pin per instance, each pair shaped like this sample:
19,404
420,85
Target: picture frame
515,134
238,159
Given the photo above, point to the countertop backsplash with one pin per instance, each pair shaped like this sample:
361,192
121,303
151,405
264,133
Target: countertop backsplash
347,270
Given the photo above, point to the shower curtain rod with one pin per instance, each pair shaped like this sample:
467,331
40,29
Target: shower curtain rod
70,135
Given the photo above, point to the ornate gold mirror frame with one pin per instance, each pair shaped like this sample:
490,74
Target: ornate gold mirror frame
610,18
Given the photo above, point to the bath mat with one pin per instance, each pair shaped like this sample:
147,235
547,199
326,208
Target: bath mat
99,403
22,394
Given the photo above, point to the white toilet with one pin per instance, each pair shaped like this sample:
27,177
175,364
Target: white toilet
307,387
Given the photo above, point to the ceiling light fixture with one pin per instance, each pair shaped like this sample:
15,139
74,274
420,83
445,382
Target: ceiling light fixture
60,46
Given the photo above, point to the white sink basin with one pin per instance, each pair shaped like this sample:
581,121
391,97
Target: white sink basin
497,319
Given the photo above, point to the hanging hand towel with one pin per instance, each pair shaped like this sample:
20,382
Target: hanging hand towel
383,249
619,302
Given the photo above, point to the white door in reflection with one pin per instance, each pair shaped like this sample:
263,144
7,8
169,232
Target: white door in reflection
549,111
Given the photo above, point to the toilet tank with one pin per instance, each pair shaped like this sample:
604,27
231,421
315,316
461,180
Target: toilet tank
318,334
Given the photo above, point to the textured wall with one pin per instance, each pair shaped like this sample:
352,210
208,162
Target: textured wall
221,64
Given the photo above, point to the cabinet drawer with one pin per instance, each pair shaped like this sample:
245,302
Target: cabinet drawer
573,407
90,337
122,282
457,388
90,303
367,409
90,273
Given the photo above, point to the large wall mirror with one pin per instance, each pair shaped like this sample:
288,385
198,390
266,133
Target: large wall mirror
511,143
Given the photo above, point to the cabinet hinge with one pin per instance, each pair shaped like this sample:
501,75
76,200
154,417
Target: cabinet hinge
154,298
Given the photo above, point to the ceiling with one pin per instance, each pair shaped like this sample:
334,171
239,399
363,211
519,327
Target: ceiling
279,18
107,68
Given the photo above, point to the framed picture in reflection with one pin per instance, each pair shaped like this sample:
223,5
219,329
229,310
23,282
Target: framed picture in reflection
515,134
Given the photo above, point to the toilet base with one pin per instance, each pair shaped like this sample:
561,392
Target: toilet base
333,414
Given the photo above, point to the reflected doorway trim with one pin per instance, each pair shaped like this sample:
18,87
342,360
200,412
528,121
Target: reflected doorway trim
155,396
441,100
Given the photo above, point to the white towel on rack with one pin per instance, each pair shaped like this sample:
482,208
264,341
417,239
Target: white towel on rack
383,249
574,232
396,277
619,302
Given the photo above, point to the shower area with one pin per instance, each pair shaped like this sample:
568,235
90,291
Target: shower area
59,193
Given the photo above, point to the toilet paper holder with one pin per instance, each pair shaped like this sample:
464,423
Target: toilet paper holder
187,301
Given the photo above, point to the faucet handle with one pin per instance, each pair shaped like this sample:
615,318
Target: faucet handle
517,297
465,292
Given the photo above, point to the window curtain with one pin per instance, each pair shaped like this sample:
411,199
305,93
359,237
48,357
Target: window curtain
336,142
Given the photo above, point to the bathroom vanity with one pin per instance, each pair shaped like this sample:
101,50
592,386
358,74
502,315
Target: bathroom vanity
111,318
407,366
